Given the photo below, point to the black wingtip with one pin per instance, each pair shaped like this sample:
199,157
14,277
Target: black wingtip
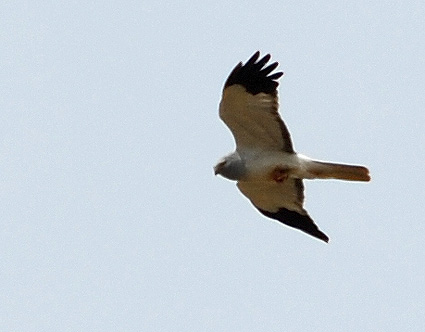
299,221
253,76
322,236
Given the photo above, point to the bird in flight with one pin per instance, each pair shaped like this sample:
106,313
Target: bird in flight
265,165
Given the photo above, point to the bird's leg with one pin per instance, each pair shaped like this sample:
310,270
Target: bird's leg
279,174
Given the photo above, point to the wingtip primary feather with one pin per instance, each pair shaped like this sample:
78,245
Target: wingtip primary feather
253,58
253,76
323,237
294,219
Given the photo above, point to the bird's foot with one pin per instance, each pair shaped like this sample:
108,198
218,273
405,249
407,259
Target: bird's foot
279,174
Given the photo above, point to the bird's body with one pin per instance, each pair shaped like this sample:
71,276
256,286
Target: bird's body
265,165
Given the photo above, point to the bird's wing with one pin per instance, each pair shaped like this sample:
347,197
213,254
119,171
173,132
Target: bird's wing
282,201
249,107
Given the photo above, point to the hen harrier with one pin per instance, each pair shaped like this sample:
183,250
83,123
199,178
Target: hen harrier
267,169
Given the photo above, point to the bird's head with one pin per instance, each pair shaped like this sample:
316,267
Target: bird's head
221,164
230,167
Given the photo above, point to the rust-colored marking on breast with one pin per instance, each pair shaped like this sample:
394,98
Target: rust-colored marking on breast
279,174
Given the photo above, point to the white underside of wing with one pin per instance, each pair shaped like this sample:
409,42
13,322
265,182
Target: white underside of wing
271,195
253,120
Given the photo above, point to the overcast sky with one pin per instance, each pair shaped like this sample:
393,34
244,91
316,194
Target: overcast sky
111,217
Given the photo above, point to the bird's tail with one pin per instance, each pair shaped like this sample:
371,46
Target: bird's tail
325,170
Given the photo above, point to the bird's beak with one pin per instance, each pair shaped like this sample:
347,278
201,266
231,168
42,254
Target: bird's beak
218,167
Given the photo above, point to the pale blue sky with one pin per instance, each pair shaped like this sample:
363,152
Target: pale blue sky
111,218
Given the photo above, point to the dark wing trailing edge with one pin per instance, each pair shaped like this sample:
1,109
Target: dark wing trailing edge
294,219
254,77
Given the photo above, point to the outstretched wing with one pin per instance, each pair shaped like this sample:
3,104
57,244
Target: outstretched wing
249,107
282,201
